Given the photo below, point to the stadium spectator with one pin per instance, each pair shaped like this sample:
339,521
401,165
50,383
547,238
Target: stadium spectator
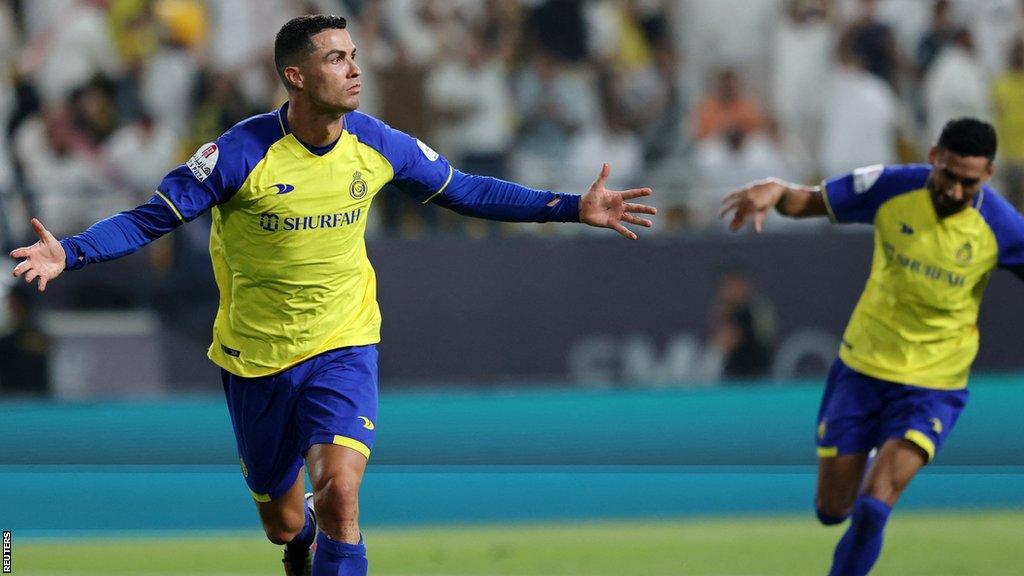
24,348
956,86
469,93
554,104
742,328
939,34
138,155
59,171
997,24
1008,96
167,79
727,108
801,61
74,46
862,114
873,42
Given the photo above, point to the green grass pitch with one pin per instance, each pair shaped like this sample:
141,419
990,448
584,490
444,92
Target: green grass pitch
926,544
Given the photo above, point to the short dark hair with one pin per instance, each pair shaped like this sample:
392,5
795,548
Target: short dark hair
969,137
294,43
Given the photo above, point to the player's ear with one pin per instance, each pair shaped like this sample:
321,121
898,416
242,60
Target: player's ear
293,77
933,155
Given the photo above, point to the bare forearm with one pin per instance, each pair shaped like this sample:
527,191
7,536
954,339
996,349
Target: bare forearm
801,201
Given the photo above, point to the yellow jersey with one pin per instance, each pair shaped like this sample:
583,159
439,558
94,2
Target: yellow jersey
916,321
287,238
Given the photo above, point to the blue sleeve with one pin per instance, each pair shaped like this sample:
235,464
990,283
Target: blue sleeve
495,199
855,197
120,234
1008,227
211,176
418,170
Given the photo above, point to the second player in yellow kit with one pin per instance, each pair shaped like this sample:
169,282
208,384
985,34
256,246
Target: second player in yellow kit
899,383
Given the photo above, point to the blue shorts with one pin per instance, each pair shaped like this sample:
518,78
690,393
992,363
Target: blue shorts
859,413
328,399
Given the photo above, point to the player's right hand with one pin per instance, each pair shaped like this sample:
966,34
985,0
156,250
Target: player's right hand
755,200
44,260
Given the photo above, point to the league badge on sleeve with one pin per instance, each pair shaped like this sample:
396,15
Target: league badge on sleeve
427,151
865,178
203,161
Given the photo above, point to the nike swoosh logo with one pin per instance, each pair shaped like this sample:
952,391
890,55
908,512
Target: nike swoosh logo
284,188
366,422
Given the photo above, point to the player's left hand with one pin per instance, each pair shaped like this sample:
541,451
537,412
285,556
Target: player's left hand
605,208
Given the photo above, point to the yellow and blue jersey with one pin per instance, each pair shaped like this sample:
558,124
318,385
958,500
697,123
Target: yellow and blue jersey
287,239
288,223
916,321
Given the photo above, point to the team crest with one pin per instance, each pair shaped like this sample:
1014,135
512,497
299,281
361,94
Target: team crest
358,187
965,254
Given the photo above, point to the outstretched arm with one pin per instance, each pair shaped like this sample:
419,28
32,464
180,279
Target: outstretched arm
755,200
107,239
506,201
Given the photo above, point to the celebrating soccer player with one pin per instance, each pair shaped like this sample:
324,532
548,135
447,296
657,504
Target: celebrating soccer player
900,380
298,323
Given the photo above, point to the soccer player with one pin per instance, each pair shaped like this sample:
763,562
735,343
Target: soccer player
900,380
295,333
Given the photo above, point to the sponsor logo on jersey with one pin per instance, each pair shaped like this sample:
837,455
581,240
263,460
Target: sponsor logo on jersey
366,422
203,161
924,269
358,187
270,222
283,188
245,469
936,425
273,222
906,229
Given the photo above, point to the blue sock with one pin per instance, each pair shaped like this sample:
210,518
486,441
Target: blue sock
859,548
305,538
334,558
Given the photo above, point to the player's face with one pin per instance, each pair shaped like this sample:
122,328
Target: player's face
331,75
956,180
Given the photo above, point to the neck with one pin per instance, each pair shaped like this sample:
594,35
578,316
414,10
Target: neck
312,126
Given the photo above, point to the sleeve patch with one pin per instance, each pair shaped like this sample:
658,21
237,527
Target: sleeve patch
203,161
865,178
427,151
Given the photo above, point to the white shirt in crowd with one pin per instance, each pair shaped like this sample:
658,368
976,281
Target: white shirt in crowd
861,118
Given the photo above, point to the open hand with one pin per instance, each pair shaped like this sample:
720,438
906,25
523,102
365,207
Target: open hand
605,208
44,260
753,201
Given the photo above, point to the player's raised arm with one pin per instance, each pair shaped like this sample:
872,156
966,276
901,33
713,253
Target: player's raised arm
755,200
605,208
44,260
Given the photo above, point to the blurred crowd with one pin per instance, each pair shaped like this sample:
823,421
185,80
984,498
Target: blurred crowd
100,98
